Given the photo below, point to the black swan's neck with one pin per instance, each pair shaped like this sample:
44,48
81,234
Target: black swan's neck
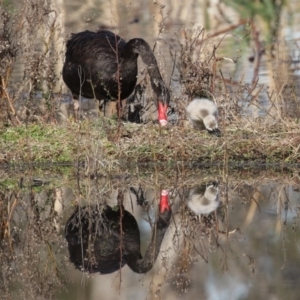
144,264
141,47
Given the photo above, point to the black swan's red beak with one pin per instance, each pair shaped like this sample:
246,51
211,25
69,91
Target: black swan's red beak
162,113
164,201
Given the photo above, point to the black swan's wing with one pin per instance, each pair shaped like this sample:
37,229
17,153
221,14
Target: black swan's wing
97,242
91,64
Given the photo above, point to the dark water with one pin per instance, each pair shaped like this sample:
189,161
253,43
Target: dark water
250,251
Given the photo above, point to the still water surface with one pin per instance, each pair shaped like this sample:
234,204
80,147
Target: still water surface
250,251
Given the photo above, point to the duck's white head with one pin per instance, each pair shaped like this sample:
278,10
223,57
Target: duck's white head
212,192
211,124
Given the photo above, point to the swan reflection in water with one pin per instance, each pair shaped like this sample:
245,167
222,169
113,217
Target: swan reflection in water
104,239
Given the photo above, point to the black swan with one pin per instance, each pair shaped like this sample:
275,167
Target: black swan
203,114
204,199
104,239
102,65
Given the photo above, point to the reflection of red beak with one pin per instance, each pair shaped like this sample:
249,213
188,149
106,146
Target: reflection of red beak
162,113
164,201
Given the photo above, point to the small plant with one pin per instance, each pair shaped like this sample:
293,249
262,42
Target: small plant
8,54
195,64
31,33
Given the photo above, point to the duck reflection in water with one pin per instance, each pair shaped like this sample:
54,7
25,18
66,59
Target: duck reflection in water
204,199
103,239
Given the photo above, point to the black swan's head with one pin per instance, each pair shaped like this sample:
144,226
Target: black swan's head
164,205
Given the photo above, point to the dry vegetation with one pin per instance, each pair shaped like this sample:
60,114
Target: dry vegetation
274,137
107,144
30,33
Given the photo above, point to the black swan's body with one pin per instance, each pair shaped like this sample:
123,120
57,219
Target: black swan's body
104,240
102,65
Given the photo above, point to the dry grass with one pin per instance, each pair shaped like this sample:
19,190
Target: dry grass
198,67
133,144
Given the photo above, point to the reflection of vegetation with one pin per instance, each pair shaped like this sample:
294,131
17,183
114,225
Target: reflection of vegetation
8,183
252,203
26,227
8,5
268,11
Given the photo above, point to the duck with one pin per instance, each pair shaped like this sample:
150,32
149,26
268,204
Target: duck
105,239
102,65
203,114
204,199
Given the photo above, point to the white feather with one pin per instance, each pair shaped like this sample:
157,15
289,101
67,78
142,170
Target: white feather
203,113
204,202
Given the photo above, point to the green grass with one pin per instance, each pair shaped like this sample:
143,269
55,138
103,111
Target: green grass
36,142
132,143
